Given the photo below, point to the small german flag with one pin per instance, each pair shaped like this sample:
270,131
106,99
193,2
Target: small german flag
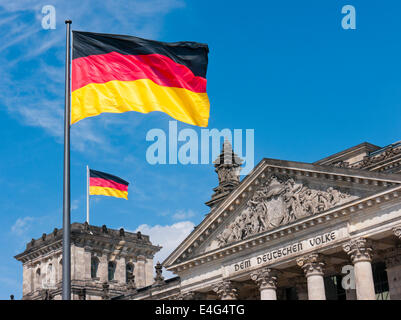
101,183
117,73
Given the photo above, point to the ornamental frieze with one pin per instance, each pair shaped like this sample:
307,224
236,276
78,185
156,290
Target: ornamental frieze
277,202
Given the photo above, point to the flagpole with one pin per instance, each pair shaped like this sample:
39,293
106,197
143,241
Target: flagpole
66,286
87,194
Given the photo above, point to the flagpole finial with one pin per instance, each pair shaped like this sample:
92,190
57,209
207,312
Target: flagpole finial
68,21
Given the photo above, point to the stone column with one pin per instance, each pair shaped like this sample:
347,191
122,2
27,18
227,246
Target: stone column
360,252
266,279
226,290
312,266
301,287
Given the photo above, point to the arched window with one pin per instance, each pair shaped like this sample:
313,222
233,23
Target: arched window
111,269
129,270
94,266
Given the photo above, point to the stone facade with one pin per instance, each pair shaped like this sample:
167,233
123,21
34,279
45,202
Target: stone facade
287,230
102,263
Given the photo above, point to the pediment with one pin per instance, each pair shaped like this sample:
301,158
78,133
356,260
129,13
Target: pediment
277,193
279,200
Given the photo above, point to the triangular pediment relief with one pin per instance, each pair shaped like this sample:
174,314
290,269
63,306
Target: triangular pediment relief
277,193
280,200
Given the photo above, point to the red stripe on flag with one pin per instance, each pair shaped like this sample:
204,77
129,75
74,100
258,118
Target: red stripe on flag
115,66
99,182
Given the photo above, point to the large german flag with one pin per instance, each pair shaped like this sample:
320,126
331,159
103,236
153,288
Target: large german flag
101,183
117,73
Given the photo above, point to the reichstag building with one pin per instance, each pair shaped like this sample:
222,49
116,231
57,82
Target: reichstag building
287,231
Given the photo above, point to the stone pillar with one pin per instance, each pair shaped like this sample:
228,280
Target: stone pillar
226,290
312,265
120,270
149,271
360,252
27,286
301,287
102,269
87,263
140,276
266,279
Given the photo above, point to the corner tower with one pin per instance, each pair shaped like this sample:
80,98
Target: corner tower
104,263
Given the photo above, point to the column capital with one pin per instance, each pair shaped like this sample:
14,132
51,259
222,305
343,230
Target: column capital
265,278
311,264
226,290
359,250
397,231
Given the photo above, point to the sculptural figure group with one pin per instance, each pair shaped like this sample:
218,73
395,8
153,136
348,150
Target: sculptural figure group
277,202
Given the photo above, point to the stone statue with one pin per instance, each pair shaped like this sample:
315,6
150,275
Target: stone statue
46,294
159,279
131,285
106,292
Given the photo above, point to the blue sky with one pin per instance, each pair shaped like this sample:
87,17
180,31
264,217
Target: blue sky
285,69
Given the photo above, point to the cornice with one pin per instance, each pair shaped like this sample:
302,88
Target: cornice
362,147
381,159
39,252
93,244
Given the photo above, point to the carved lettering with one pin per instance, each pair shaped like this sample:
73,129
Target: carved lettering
286,251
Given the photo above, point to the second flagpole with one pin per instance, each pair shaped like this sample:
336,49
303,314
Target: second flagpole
87,194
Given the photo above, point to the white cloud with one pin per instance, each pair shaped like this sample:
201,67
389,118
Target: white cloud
21,226
167,236
183,215
26,228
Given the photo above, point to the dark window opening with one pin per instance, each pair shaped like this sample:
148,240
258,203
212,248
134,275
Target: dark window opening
111,270
94,267
334,289
129,270
381,281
